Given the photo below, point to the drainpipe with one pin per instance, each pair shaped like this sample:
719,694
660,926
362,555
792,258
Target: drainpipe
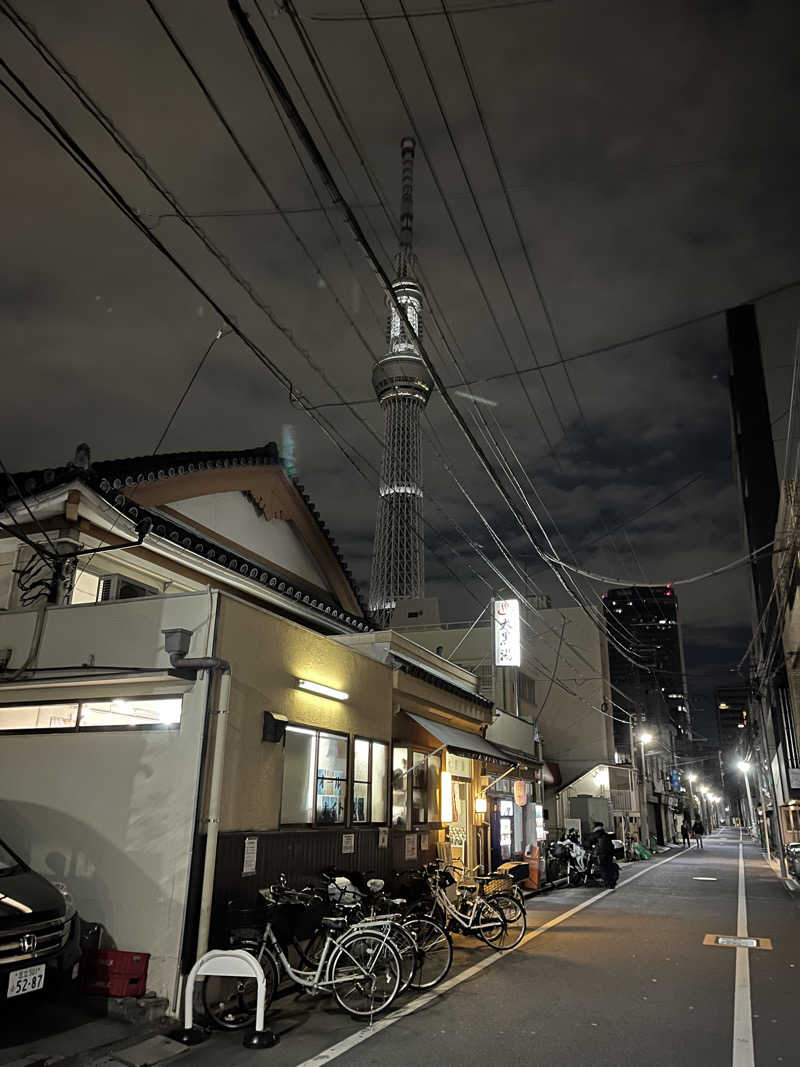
176,643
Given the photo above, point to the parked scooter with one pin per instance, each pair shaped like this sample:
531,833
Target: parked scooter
793,859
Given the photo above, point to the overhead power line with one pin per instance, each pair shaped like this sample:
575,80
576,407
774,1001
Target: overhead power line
431,12
749,558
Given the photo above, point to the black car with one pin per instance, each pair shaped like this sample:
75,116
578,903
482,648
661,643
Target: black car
39,930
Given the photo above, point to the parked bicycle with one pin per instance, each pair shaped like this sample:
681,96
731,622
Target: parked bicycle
499,920
424,946
360,966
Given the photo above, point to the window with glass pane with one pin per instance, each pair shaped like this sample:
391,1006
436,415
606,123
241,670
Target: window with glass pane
299,776
131,711
419,789
400,787
39,717
119,712
379,766
434,767
369,781
361,780
331,779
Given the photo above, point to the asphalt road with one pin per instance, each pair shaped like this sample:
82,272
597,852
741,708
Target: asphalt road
604,978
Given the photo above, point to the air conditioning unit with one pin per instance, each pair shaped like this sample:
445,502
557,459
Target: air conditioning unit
120,587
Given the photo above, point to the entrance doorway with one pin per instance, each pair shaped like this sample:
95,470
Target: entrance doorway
458,832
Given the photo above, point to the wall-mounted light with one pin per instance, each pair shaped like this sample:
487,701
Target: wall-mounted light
481,805
322,690
447,796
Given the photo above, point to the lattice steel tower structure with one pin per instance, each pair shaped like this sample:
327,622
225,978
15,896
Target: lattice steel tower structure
403,387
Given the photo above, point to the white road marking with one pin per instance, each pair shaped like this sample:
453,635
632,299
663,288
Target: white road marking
702,878
742,1010
367,1032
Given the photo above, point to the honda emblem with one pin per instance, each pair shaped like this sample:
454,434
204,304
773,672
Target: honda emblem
27,944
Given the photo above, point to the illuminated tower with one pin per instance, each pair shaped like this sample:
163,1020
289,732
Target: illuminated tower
403,386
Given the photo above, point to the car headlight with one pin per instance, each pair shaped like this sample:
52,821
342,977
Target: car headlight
69,903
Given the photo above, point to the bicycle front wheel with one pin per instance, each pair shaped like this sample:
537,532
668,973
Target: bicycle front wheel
230,1003
433,951
365,973
515,922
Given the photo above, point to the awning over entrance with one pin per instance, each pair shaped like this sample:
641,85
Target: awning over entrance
460,742
528,765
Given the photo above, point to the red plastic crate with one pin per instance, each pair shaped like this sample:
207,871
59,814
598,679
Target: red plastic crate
114,973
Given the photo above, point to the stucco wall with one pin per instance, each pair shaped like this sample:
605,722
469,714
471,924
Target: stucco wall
268,654
234,517
112,814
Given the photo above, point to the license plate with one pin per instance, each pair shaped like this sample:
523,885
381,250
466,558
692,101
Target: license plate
26,981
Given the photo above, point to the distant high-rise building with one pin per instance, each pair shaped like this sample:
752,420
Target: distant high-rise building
403,387
652,678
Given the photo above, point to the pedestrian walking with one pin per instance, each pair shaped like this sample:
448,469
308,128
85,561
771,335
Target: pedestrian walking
699,832
603,845
686,834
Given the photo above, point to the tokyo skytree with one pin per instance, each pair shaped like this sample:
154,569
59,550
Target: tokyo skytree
403,387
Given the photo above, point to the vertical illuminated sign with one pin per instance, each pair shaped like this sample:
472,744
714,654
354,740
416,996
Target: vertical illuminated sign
506,633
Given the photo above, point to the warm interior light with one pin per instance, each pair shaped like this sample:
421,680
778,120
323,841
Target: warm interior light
447,796
481,805
323,690
723,707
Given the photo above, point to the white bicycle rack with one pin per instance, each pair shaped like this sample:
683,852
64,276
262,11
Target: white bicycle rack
231,963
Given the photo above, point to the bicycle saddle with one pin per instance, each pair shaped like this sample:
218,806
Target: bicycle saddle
375,885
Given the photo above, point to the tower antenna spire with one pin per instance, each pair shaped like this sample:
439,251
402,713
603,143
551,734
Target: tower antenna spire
405,256
403,387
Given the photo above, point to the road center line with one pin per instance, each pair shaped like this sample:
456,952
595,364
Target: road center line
742,1010
367,1032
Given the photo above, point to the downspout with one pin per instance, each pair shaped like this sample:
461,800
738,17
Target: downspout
177,646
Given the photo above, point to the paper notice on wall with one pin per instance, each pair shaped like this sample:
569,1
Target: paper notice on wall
250,856
383,837
348,844
423,842
411,846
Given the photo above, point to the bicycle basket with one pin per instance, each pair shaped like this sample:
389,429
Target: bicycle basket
292,920
246,914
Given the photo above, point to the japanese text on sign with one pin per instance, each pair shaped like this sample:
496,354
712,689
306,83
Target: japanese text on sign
506,633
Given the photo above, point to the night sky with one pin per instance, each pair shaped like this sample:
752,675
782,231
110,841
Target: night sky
651,154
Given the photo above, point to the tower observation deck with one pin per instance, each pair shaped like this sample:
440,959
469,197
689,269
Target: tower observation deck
403,387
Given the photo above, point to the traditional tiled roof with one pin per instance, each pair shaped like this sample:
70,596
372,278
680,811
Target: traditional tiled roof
111,478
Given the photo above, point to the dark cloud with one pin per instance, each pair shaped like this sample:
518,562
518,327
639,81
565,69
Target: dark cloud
651,153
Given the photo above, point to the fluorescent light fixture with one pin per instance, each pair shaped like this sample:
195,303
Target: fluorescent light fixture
506,633
322,690
447,796
480,805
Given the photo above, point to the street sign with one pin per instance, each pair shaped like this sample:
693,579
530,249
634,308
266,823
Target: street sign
506,633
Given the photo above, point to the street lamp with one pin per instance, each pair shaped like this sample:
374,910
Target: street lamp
644,739
745,767
691,777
